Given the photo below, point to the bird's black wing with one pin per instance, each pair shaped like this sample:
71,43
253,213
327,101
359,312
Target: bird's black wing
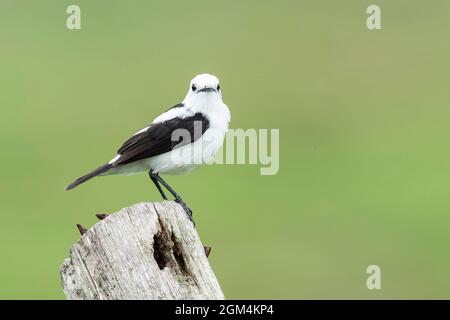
157,139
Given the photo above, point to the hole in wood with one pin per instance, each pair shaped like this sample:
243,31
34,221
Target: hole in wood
161,251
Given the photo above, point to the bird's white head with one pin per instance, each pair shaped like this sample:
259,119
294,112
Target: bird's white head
204,87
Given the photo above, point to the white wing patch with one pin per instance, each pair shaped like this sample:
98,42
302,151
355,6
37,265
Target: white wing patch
115,159
181,112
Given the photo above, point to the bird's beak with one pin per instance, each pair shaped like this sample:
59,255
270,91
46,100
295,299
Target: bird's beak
207,90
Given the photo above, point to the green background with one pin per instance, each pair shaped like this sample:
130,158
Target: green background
364,138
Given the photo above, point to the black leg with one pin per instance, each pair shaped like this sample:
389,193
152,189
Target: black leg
178,199
169,188
155,181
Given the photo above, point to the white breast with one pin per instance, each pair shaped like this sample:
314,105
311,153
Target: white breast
203,150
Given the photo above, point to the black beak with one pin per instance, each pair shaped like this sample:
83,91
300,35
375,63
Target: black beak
207,90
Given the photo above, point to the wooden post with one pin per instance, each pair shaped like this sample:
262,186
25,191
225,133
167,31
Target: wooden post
146,251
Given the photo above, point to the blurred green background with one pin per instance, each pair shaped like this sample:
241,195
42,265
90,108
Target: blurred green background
364,127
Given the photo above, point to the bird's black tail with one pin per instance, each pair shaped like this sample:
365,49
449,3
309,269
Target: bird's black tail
89,176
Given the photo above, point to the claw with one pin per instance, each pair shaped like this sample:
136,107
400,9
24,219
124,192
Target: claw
207,250
186,209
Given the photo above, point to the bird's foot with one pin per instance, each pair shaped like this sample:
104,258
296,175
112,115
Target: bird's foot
186,209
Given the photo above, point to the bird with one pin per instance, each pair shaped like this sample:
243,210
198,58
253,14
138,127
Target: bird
182,138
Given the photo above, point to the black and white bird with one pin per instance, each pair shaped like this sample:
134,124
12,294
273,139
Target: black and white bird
182,138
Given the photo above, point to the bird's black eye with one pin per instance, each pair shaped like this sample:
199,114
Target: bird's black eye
218,87
194,87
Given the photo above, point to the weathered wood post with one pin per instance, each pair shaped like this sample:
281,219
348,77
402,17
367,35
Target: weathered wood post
146,251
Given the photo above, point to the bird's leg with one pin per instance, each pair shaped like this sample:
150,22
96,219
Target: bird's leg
153,177
177,197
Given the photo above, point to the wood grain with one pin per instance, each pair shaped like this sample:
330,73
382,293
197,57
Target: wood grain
146,251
